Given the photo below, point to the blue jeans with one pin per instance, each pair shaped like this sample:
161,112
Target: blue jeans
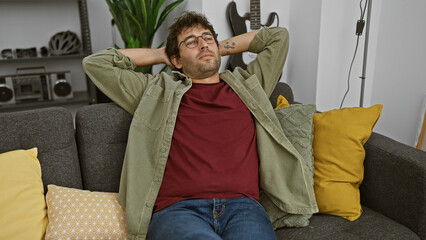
233,219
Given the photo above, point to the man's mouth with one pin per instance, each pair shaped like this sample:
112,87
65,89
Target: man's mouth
206,55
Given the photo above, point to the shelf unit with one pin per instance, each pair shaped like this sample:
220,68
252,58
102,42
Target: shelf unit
80,97
53,58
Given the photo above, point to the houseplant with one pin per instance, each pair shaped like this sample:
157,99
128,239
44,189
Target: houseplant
138,21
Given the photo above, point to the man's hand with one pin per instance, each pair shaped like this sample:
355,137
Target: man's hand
147,56
166,59
237,44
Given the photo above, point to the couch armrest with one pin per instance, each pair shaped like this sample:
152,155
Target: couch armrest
395,182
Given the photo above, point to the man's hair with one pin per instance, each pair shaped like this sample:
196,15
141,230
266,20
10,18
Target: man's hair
185,21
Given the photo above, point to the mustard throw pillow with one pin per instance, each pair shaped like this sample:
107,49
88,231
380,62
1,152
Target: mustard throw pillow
339,138
22,203
282,102
82,214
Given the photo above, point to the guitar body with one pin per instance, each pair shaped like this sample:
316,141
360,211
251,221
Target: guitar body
238,23
238,26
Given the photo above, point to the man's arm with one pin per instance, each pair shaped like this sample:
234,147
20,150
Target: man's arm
237,44
147,56
271,46
112,72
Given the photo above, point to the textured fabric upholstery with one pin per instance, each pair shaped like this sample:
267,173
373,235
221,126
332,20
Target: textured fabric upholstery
51,130
371,225
102,131
395,182
284,90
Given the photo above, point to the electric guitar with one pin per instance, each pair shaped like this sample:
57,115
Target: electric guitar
238,26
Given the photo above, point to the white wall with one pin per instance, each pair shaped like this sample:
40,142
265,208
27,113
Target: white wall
100,25
302,62
395,67
337,45
400,68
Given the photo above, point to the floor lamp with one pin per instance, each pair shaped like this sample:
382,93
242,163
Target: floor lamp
364,64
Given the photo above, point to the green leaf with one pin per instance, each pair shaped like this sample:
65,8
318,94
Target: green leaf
153,3
161,44
115,12
144,69
138,21
158,4
139,32
144,14
126,25
137,43
165,68
166,12
138,10
129,6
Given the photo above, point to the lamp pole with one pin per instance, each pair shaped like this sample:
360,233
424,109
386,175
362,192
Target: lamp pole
364,64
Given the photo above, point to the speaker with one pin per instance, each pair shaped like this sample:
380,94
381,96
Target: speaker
61,85
7,95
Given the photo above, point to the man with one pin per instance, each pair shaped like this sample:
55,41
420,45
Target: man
201,144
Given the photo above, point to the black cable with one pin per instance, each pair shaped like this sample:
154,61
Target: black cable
350,70
359,29
363,10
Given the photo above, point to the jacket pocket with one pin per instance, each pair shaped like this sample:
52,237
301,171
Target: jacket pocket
152,107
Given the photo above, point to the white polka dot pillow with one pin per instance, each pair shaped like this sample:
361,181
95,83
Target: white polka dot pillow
82,214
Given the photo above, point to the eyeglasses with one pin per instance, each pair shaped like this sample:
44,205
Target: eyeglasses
192,41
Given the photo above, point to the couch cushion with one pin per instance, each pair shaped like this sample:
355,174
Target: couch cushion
371,225
51,130
22,205
82,214
102,131
339,139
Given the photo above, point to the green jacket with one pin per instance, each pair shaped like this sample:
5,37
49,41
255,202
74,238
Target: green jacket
154,101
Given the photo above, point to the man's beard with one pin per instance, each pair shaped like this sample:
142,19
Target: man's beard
212,66
203,69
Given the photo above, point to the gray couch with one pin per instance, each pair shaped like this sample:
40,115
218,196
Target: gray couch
89,155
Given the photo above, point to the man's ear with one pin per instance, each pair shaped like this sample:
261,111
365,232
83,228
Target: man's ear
176,62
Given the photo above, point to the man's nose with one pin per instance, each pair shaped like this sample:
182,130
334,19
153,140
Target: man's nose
202,44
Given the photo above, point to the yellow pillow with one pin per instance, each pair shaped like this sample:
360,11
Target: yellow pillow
22,204
82,214
339,137
282,102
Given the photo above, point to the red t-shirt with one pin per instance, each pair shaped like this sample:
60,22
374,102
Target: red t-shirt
213,152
